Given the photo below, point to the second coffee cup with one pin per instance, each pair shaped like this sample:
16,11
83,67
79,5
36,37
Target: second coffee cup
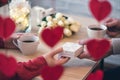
27,44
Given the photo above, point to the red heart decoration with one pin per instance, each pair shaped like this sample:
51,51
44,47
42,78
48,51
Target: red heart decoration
98,75
52,73
7,27
8,65
52,35
100,9
98,48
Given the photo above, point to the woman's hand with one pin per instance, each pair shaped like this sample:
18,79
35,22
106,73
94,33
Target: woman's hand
51,60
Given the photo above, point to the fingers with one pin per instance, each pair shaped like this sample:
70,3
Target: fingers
110,22
62,60
112,34
84,55
83,42
56,51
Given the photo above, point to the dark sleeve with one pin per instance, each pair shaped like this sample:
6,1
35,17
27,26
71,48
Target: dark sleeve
31,69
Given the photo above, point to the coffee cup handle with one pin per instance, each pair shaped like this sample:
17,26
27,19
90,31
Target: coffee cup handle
15,43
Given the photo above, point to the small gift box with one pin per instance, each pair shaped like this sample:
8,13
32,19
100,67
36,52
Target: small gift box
71,50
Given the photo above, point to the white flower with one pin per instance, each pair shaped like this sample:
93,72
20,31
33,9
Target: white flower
67,32
71,20
43,23
59,15
50,24
61,23
66,22
19,20
63,19
49,18
74,28
55,20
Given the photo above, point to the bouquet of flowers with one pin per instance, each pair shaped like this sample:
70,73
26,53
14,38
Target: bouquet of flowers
20,13
58,19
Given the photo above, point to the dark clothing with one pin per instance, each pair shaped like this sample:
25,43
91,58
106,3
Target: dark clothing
112,74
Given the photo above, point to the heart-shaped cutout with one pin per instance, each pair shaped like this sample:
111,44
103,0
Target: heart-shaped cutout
52,73
100,9
98,75
8,65
7,27
52,35
98,48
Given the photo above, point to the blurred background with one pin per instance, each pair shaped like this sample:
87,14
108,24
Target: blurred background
76,7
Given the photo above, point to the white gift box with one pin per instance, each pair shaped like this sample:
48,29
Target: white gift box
71,50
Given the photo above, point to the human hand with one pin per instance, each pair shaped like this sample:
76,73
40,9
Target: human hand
113,25
85,53
93,46
51,60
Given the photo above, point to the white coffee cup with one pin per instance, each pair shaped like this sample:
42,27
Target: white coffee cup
96,31
27,43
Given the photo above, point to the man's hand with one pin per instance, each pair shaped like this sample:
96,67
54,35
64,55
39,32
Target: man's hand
113,25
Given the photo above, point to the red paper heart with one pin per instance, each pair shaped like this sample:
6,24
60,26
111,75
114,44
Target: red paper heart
98,75
52,73
8,65
100,9
52,35
98,48
7,27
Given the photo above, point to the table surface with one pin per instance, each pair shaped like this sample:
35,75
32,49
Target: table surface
75,69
